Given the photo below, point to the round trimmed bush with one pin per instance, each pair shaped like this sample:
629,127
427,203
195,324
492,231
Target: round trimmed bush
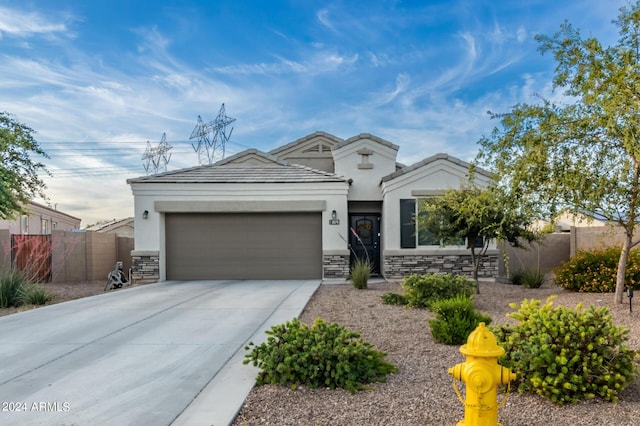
326,355
567,355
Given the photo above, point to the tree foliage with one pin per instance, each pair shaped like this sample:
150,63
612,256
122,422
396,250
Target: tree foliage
475,215
19,180
582,154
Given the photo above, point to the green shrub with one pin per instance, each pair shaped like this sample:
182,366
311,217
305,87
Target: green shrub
360,273
421,290
517,277
566,355
595,271
532,278
11,285
455,319
34,294
393,299
326,355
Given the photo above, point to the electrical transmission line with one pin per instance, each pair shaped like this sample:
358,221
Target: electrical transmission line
157,156
212,137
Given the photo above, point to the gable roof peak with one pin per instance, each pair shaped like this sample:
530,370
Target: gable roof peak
248,153
369,136
331,139
432,159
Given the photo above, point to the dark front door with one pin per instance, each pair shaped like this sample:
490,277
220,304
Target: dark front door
364,238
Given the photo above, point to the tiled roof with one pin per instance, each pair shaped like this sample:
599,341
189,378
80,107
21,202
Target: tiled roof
366,136
431,159
228,172
112,224
317,134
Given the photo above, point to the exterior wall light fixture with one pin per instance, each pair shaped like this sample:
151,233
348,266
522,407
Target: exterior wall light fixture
145,214
334,215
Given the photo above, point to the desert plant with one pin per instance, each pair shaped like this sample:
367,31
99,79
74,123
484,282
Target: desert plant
595,271
360,273
393,299
421,290
326,355
455,319
566,355
516,277
34,294
11,285
532,278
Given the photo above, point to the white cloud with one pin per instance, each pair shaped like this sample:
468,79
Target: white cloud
17,23
323,17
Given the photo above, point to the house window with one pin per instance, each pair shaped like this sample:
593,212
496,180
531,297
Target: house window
411,236
407,223
45,227
25,224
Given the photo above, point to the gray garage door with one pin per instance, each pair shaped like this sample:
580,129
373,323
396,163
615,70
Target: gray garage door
243,246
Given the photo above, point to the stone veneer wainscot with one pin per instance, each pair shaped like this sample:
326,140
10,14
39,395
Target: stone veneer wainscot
145,266
399,266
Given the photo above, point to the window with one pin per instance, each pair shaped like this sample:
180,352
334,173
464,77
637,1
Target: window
407,223
411,236
45,226
25,224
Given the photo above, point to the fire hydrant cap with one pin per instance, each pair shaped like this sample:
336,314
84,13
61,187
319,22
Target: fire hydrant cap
482,343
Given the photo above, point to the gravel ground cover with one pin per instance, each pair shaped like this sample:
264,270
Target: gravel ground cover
64,291
422,393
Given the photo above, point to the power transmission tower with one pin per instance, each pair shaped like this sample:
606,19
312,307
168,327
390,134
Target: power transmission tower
212,137
157,157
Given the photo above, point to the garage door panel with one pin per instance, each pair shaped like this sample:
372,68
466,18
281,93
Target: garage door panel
243,246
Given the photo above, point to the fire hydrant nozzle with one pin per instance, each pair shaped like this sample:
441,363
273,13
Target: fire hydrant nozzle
482,375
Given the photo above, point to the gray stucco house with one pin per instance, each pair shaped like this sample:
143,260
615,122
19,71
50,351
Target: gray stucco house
293,213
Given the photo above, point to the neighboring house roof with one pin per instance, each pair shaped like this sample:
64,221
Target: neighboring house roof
250,166
112,225
52,210
430,160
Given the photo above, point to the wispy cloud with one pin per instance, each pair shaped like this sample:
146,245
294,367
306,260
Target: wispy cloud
420,76
323,18
17,23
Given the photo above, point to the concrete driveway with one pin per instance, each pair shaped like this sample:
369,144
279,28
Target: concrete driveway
161,354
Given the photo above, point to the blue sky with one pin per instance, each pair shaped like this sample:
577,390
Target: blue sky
98,79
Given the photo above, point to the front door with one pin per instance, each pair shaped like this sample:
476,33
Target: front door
364,238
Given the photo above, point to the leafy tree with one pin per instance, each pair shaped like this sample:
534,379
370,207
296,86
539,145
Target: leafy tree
583,154
477,216
19,180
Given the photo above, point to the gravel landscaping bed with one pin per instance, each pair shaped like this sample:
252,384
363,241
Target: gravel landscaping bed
421,393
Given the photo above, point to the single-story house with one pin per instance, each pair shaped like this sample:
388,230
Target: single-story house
303,210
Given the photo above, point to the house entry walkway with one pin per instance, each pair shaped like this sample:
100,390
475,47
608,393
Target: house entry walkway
161,354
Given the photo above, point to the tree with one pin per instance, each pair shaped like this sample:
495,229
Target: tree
582,155
19,180
476,216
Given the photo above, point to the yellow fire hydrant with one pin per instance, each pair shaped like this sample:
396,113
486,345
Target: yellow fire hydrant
482,375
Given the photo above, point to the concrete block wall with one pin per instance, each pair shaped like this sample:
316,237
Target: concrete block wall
5,250
544,255
78,256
